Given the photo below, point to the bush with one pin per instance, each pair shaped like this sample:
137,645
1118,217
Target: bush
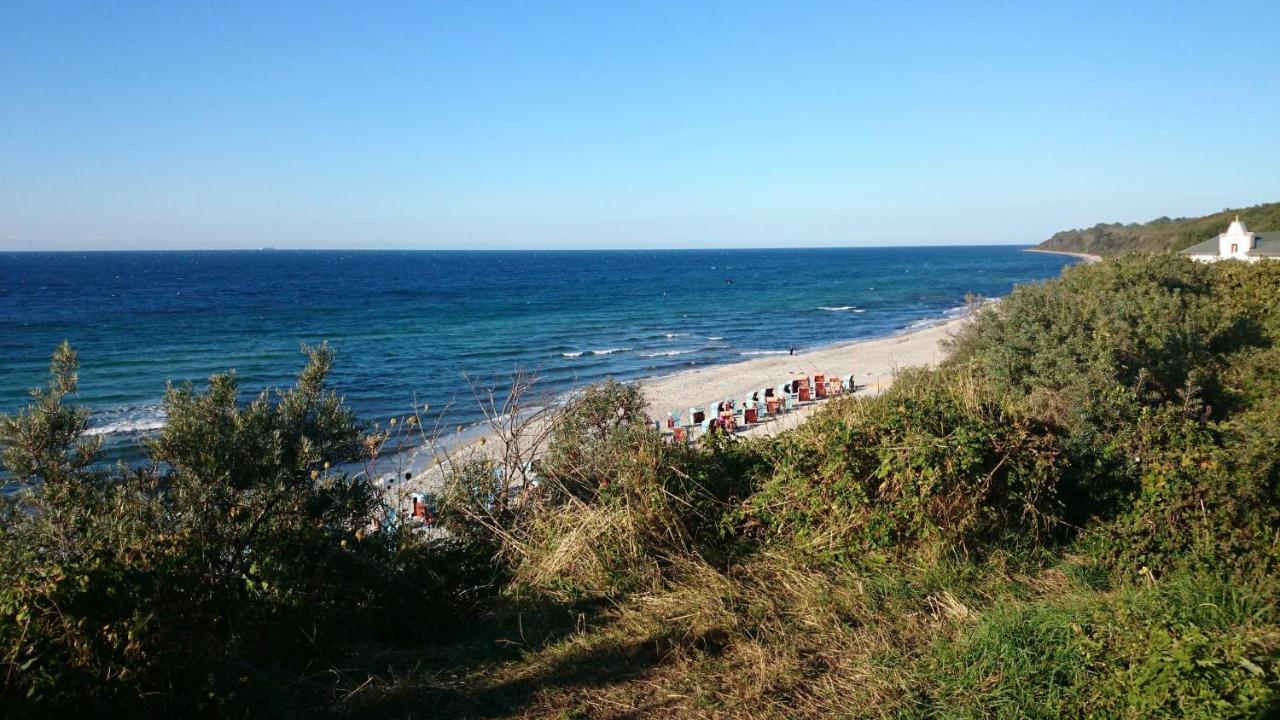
935,460
188,585
593,437
1159,373
616,506
1191,647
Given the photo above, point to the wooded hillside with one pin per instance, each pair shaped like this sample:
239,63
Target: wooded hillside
1160,235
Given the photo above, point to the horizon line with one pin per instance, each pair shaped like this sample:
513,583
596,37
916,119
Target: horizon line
268,249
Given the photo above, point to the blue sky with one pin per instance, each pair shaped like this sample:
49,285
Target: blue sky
645,124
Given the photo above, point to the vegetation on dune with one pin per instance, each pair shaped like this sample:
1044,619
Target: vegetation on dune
201,582
1160,235
1076,515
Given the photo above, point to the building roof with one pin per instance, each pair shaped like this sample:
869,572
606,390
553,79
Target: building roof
1268,245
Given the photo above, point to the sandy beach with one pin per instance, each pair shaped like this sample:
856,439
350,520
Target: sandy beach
1087,257
873,363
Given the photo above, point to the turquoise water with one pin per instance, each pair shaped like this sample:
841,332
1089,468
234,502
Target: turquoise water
412,326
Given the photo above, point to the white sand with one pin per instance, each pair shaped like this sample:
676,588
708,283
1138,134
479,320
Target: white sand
873,363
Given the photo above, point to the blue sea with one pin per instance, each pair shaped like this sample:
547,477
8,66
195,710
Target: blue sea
411,327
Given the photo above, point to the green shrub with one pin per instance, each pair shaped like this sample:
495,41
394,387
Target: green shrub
593,437
935,460
616,506
195,583
1192,646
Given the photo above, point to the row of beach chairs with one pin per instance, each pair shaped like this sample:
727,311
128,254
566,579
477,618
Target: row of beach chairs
758,406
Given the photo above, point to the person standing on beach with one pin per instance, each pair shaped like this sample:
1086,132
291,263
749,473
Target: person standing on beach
791,350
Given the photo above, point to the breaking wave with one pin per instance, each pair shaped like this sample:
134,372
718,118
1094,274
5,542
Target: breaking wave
126,420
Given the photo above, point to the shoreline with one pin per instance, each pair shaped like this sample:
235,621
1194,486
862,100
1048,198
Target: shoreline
874,363
1089,258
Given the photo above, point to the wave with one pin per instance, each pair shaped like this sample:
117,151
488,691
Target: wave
675,335
715,337
666,353
841,308
609,351
764,352
947,316
128,420
571,354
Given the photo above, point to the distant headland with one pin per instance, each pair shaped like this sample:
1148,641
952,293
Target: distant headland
1160,235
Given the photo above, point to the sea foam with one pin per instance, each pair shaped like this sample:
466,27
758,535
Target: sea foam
126,420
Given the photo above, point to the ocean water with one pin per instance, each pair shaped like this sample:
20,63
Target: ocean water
411,327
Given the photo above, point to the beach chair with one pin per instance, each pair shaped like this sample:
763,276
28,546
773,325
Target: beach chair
679,436
819,386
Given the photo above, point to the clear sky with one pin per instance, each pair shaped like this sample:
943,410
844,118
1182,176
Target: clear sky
625,124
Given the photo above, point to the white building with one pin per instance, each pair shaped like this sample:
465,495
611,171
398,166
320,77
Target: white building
1237,243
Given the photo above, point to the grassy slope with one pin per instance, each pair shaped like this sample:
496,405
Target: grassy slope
854,591
1160,235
